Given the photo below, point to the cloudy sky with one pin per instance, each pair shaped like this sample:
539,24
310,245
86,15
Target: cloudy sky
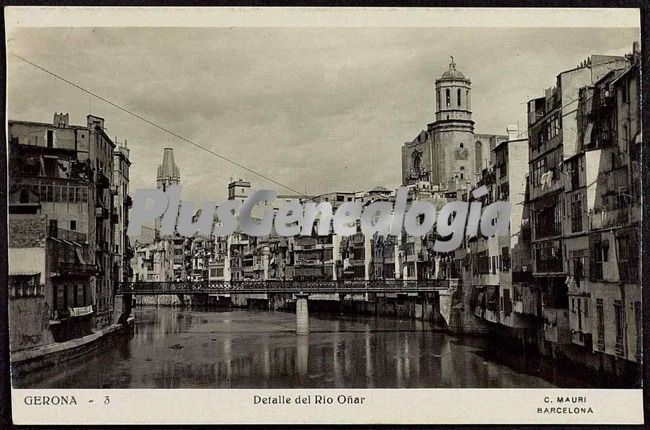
317,109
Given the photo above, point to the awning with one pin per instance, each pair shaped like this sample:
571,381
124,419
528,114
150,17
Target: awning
587,138
81,311
27,261
24,273
80,256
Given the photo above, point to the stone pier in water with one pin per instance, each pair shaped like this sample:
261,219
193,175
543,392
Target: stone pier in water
302,314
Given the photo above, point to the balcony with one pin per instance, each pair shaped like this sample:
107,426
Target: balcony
550,185
549,266
609,218
71,235
71,268
603,138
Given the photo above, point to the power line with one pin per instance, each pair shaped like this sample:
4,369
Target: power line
160,127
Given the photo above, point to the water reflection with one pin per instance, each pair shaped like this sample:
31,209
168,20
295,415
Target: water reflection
256,349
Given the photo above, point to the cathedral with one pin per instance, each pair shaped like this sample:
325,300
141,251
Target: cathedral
448,154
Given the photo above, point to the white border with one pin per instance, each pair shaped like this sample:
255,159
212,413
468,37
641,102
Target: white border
381,406
36,16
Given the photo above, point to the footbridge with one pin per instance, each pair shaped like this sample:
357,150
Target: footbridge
256,287
299,289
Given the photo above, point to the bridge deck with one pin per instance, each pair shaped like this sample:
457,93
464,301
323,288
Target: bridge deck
257,287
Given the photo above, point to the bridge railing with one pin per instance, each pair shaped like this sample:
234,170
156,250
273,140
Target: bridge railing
273,286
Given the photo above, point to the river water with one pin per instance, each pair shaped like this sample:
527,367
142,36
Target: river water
180,348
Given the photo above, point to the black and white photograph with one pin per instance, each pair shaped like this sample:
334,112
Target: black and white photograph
291,206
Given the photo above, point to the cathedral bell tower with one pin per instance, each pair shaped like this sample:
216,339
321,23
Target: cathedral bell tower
453,151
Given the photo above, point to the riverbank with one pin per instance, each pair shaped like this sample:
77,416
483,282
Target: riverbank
54,354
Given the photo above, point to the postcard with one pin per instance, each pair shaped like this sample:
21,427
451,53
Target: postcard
324,215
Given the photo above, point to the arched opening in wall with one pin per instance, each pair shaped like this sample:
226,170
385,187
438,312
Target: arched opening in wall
458,96
448,97
467,99
462,173
417,161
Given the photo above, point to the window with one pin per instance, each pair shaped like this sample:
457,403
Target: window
628,256
505,258
539,168
448,98
548,218
577,262
417,159
458,97
483,263
73,225
579,315
548,257
50,138
619,320
599,256
600,324
576,213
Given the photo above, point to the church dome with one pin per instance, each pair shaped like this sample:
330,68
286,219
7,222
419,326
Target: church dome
452,73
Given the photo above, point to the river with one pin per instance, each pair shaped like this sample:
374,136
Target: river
180,348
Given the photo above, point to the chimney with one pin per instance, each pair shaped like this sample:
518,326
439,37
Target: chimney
513,132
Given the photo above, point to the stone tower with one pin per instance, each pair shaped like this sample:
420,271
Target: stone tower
168,172
453,152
